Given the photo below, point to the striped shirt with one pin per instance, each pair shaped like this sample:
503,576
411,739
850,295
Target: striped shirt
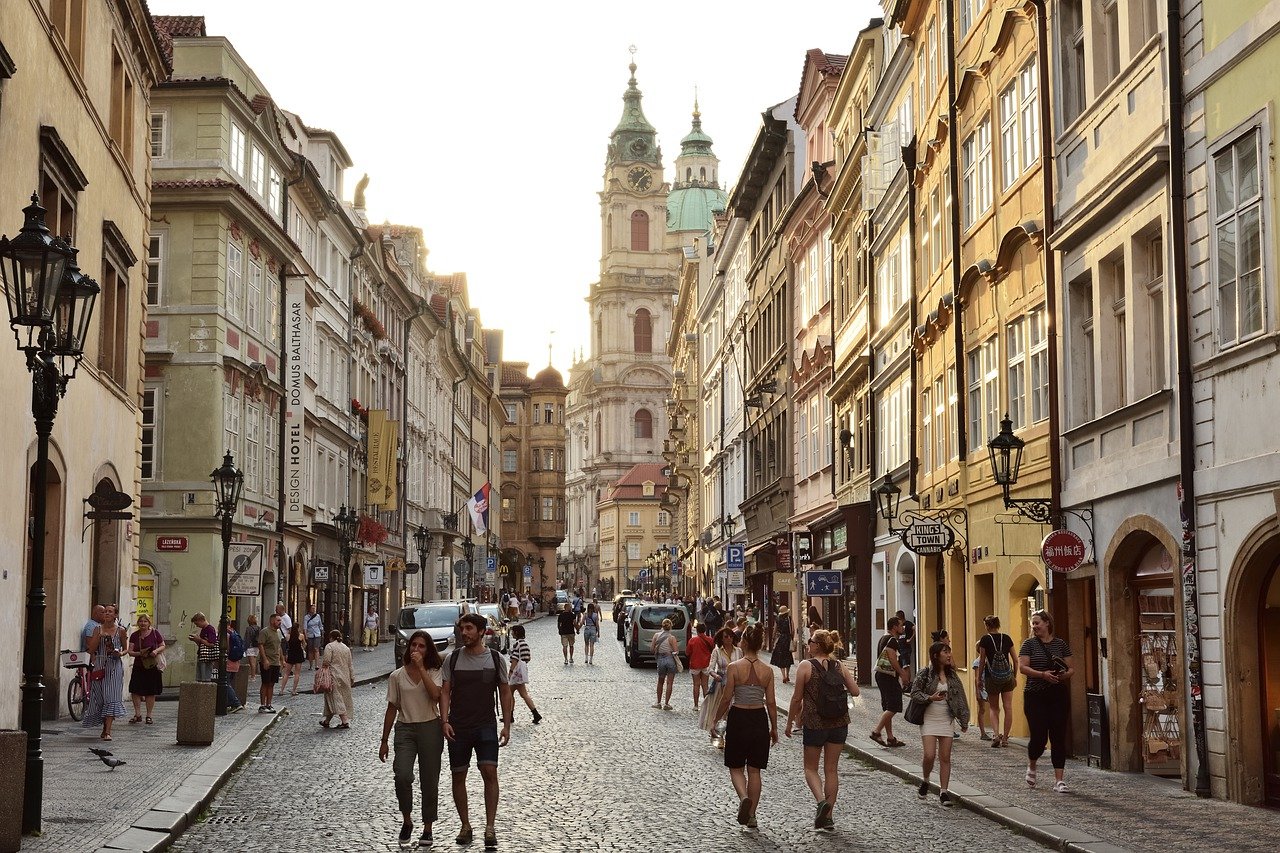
520,649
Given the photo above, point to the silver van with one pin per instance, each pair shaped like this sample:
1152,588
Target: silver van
645,620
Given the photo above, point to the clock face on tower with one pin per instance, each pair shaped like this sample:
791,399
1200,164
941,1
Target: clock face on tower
639,178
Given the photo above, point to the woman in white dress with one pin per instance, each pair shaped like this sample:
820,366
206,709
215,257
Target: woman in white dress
939,688
726,652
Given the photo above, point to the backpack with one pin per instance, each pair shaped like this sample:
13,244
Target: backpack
235,646
998,665
833,697
497,668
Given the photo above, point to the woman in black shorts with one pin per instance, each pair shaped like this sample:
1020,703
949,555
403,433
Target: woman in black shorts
824,737
752,722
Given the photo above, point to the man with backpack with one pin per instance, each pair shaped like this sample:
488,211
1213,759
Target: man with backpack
820,704
474,677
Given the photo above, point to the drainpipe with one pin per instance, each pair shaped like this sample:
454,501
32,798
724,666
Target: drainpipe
913,464
953,155
1186,415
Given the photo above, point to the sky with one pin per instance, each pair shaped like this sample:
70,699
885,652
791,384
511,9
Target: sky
485,123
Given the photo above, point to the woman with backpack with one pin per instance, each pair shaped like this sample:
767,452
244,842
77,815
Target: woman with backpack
996,674
819,704
941,691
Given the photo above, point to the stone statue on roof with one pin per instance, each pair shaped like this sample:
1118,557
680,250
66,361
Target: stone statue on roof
360,188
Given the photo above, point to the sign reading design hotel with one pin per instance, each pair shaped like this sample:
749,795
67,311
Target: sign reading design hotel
295,409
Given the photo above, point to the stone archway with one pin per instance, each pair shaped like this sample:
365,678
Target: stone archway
1139,538
1243,672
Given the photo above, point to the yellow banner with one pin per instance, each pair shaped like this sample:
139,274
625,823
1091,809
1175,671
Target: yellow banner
146,600
376,458
391,449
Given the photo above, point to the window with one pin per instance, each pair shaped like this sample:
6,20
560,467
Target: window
1080,347
976,161
991,385
508,509
61,180
633,550
926,432
1148,251
974,373
237,149
1028,81
642,331
967,12
633,519
271,467
510,463
113,312
273,309
1237,243
1114,319
274,192
150,402
802,432
1107,54
935,229
940,427
253,298
547,413
67,17
155,267
1073,50
984,394
1009,136
1016,359
826,430
548,509
639,231
510,409
252,461
643,424
159,134
230,422
815,435
235,276
257,172
1038,347
953,423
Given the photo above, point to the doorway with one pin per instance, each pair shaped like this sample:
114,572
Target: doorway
1269,655
52,573
1158,664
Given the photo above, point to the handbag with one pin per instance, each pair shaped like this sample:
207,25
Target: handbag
914,713
162,662
323,680
679,663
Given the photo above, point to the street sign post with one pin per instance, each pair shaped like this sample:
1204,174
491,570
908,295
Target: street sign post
822,584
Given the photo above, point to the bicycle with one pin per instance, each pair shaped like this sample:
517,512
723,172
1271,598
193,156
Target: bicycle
78,689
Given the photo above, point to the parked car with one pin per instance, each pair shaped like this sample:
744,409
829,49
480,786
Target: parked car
496,636
561,598
437,618
645,620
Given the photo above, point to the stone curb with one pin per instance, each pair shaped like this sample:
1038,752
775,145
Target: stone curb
159,827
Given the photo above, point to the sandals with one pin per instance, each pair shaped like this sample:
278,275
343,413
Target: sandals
895,742
744,811
1031,777
148,721
878,738
325,723
134,719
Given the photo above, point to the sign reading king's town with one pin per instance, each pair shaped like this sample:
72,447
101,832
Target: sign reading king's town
927,536
1063,551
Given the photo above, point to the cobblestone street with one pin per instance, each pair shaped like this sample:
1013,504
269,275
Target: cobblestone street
603,771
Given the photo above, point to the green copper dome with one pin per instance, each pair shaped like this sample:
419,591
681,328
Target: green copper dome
696,142
692,208
634,138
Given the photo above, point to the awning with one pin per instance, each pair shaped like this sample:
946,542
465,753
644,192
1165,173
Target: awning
768,543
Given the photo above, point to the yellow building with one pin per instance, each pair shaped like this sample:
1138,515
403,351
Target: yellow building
75,83
634,523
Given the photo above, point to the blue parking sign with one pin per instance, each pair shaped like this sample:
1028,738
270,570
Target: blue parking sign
735,556
492,564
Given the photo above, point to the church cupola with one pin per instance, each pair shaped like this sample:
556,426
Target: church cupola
695,193
634,139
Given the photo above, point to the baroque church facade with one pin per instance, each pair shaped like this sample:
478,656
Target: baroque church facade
615,416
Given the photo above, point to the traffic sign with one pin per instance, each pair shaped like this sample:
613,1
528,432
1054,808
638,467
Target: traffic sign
822,584
737,582
928,536
1063,551
735,556
492,563
528,572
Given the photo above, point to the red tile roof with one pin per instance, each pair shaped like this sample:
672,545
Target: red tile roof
181,26
223,184
631,484
515,373
438,306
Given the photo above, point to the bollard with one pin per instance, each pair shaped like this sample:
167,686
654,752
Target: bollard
196,700
13,757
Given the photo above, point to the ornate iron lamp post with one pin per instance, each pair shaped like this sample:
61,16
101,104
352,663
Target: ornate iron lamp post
422,539
50,304
469,552
228,481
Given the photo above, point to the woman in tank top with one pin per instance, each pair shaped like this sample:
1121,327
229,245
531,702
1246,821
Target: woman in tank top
747,700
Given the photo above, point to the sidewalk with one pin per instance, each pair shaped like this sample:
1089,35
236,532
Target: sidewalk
164,787
1104,811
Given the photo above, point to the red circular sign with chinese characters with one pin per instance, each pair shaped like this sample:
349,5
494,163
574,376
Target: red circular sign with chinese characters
1063,551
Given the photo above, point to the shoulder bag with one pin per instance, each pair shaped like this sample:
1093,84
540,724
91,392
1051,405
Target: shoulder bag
323,680
914,712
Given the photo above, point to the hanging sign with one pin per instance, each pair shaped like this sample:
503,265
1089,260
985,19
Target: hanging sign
320,573
804,548
822,584
782,552
928,536
375,574
735,556
1063,551
295,387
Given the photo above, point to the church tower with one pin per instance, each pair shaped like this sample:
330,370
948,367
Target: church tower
696,194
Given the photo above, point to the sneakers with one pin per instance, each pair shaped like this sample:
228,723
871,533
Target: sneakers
744,811
425,840
406,834
537,718
923,790
464,835
657,705
986,736
236,709
490,838
666,707
947,800
1060,787
266,709
822,819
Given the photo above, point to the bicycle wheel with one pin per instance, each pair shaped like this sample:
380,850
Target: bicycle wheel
77,699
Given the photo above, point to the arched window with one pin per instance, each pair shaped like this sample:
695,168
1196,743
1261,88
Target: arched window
642,331
643,424
639,231
688,174
703,175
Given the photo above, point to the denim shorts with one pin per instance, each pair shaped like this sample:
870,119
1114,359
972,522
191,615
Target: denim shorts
822,737
484,741
666,666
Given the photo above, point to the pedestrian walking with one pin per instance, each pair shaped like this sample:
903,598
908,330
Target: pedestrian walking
286,621
371,629
725,653
413,696
106,683
251,631
820,705
313,628
891,679
713,616
665,647
528,606
997,677
520,657
814,618
981,689
781,656
940,689
590,632
907,643
567,627
620,620
145,682
344,625
95,620
234,655
751,711
1046,662
295,655
205,637
271,659
472,675
336,658
700,648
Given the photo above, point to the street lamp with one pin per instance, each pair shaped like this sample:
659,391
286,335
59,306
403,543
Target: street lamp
422,539
888,497
726,527
469,551
228,480
50,303
1005,453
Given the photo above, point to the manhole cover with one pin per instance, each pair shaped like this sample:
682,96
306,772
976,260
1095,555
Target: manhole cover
229,818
